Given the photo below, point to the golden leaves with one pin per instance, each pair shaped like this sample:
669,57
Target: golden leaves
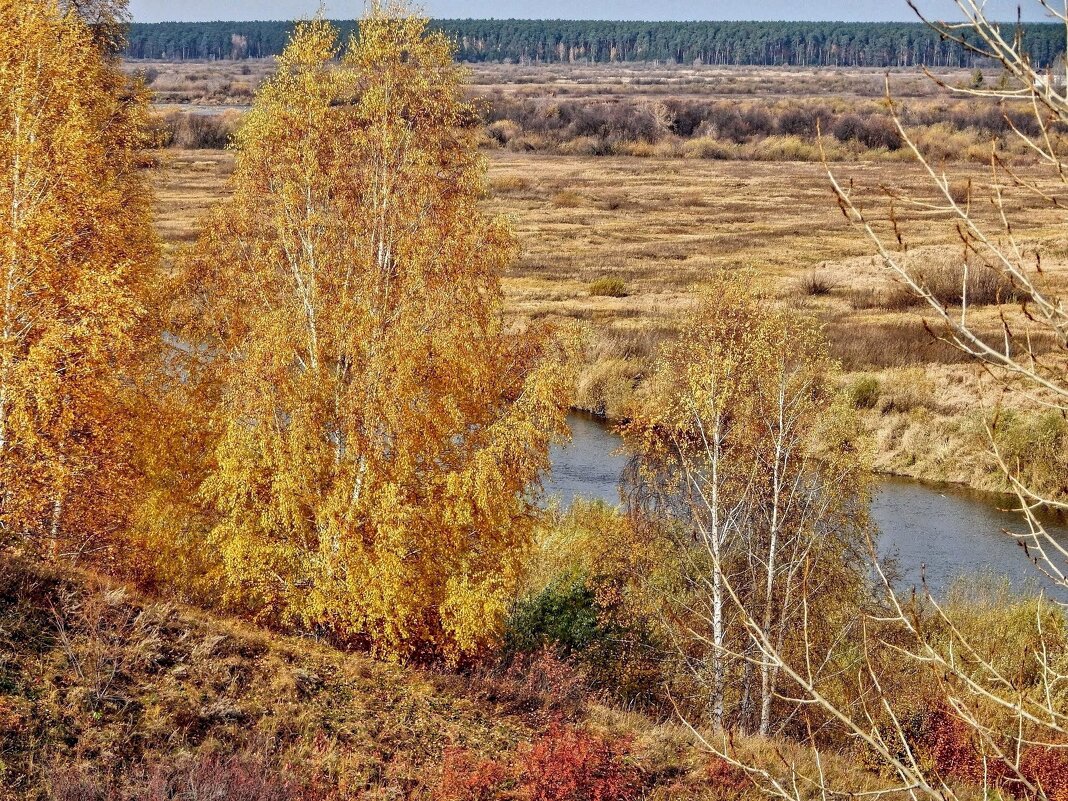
79,254
376,434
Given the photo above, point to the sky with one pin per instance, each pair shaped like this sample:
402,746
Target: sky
842,10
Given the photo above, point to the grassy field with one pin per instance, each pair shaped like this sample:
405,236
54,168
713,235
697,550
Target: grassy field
623,243
659,227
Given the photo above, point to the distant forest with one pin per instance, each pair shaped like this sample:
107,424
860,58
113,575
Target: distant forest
561,41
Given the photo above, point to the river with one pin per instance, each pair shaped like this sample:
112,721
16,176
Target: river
942,531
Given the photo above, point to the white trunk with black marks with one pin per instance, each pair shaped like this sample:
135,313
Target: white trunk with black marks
714,536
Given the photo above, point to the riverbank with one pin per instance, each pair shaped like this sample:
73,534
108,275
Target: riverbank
934,533
621,246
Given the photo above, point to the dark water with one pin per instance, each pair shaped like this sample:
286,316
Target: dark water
941,532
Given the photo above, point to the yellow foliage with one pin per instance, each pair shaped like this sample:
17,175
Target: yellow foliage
375,435
78,256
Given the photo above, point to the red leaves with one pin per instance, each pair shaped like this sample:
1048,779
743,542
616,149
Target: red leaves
726,778
564,764
1046,768
570,764
951,746
465,778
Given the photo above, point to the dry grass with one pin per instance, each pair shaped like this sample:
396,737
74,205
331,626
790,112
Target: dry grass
623,244
106,694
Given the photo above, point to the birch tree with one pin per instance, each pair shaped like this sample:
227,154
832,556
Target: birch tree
744,447
78,254
1008,717
377,434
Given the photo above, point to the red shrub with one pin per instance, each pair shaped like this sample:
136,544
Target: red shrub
465,778
245,777
1047,768
569,764
949,743
544,680
727,778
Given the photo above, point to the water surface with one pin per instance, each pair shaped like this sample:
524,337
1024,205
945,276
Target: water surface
940,532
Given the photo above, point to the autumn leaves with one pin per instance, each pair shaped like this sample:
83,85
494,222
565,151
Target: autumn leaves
331,425
78,259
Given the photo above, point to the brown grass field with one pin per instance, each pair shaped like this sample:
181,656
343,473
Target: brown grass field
623,244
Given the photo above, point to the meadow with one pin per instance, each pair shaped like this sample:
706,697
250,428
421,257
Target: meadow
623,243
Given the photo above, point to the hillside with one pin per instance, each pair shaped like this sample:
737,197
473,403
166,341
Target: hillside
108,694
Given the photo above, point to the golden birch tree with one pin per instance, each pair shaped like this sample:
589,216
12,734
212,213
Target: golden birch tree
377,433
78,251
746,450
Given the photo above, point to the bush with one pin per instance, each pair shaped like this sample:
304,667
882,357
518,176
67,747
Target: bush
728,780
864,392
504,131
466,778
1035,447
1047,767
564,615
567,200
982,286
190,131
608,287
564,764
816,284
569,764
948,743
538,682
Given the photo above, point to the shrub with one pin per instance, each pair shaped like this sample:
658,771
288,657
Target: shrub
570,764
608,287
564,615
864,392
197,131
1035,446
564,764
510,183
504,131
981,285
948,743
538,681
728,780
466,778
567,200
848,127
804,122
1047,767
816,284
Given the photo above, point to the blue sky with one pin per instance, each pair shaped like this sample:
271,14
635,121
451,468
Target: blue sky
845,10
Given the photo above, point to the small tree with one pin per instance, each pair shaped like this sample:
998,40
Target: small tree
994,716
377,435
78,256
745,447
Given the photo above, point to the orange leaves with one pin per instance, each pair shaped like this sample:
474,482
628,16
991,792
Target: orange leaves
79,255
374,432
564,764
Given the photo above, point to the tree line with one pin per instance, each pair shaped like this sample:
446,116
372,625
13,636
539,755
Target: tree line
804,44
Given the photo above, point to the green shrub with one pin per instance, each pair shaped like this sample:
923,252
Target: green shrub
608,287
864,392
1035,448
564,615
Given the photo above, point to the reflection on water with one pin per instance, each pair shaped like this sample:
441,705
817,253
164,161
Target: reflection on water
942,531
